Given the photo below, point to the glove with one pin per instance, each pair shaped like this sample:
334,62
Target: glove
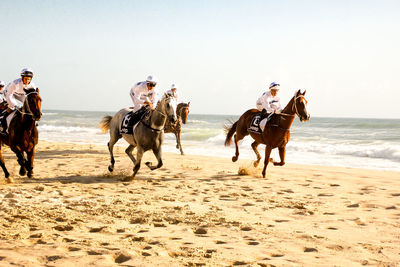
277,111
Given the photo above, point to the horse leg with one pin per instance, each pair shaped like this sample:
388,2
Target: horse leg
3,165
21,161
29,163
139,156
157,153
254,145
266,160
237,139
282,153
178,141
128,151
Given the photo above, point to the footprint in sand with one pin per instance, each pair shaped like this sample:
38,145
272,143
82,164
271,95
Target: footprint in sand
281,221
120,258
220,242
253,243
325,195
310,249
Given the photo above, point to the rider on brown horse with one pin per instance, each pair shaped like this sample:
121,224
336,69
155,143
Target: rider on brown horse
15,95
269,102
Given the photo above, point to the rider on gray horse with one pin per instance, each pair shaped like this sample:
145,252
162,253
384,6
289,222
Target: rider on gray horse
144,97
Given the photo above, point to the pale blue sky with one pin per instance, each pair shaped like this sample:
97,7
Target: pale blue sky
87,54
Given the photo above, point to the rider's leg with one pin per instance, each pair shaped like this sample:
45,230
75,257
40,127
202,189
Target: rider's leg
3,121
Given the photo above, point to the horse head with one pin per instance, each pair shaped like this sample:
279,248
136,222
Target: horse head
300,106
182,111
33,104
167,106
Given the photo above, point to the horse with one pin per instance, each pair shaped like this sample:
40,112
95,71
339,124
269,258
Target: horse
22,134
182,112
276,133
148,133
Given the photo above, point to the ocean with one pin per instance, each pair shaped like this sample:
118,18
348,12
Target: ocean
347,142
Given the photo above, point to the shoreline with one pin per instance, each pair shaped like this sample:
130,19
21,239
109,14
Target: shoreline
195,210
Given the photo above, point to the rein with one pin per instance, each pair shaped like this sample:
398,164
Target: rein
289,115
295,107
26,105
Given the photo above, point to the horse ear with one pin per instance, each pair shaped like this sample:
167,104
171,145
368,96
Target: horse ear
298,93
304,92
37,89
189,103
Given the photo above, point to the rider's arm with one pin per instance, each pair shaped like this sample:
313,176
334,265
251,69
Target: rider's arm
153,99
9,95
267,105
135,95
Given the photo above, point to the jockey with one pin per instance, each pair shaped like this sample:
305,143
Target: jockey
269,102
143,93
172,92
15,94
2,95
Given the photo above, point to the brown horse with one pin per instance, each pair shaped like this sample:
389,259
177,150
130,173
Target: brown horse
22,133
276,132
182,112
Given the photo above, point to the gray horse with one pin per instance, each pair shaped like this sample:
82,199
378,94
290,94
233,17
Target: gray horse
148,134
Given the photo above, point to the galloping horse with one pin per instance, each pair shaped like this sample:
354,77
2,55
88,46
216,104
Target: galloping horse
182,112
22,133
276,132
148,133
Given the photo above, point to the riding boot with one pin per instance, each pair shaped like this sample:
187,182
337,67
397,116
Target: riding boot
3,120
263,114
137,116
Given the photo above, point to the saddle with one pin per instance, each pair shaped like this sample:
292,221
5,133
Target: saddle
131,119
5,120
257,124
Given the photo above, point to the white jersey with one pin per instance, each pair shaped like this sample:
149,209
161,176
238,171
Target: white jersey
269,102
15,92
2,96
140,93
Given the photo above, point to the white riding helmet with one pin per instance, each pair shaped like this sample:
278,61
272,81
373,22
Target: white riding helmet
2,83
274,86
26,72
151,79
173,86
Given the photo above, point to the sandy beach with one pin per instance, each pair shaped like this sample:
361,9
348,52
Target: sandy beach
194,211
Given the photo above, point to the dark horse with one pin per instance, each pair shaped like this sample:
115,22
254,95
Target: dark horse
22,134
276,132
182,112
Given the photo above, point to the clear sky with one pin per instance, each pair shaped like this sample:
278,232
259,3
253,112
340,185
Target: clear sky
223,54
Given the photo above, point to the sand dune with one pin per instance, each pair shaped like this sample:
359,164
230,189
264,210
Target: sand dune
194,211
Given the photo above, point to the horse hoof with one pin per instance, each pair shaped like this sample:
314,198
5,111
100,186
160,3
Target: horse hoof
127,179
22,172
30,174
10,180
234,158
148,164
110,169
255,164
177,146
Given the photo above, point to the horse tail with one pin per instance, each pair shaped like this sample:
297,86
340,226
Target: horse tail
230,130
104,124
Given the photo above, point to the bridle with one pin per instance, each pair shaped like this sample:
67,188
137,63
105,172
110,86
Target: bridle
294,106
26,105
